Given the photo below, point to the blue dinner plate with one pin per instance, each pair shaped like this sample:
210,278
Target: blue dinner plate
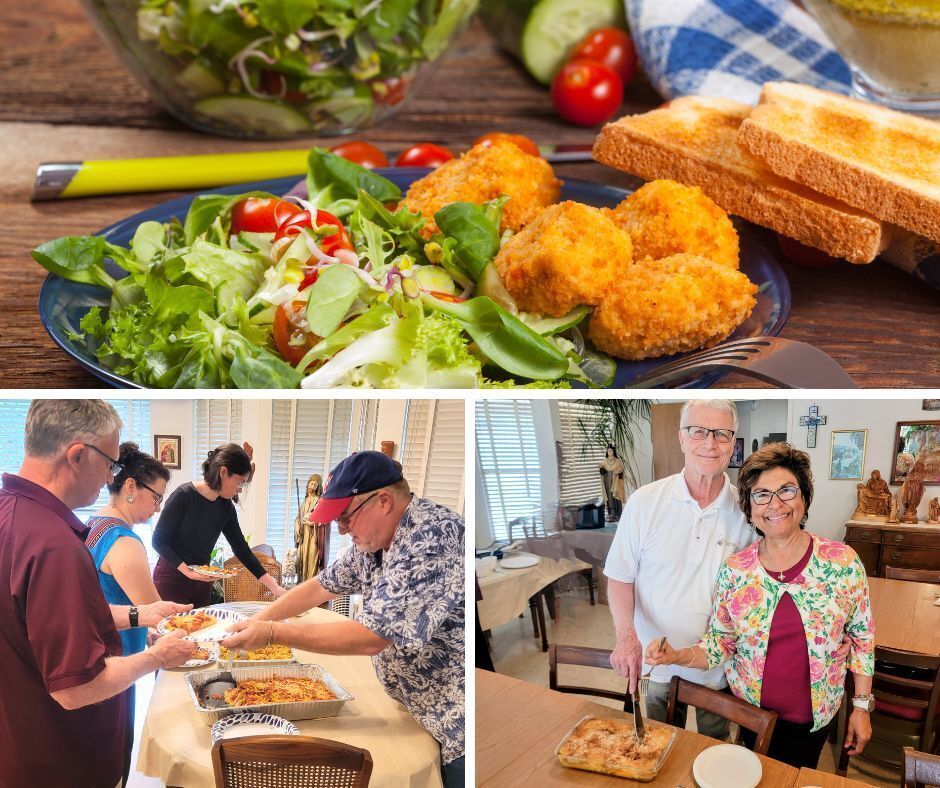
62,304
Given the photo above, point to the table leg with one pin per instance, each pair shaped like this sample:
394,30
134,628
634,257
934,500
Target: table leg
533,601
541,614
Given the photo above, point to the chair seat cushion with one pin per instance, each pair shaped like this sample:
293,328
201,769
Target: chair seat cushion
904,712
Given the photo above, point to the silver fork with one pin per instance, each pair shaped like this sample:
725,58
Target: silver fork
784,363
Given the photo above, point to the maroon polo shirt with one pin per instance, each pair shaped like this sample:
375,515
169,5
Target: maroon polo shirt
56,630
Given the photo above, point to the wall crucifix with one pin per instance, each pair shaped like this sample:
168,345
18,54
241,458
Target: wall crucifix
811,422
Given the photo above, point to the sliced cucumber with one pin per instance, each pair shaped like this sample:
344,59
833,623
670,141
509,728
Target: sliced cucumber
253,115
598,368
199,80
541,33
433,277
555,325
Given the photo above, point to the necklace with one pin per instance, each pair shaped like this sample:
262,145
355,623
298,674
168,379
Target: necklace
780,574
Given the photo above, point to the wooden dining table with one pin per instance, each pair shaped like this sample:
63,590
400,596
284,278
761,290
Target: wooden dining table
813,778
906,615
64,96
519,725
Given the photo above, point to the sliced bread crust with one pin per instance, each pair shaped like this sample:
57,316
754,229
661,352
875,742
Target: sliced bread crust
880,161
693,141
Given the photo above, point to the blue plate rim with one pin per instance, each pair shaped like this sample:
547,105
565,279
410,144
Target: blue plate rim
401,176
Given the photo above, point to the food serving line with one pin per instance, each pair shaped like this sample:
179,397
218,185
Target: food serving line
175,744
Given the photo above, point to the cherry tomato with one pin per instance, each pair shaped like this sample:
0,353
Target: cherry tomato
261,214
586,93
286,327
389,91
362,153
423,154
275,84
519,140
804,256
612,47
328,243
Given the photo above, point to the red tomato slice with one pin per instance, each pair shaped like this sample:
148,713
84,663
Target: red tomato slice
586,93
519,140
286,319
329,243
446,297
389,91
261,214
423,154
362,153
612,47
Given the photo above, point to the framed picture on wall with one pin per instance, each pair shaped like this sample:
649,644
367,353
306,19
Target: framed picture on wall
847,454
166,448
916,440
737,457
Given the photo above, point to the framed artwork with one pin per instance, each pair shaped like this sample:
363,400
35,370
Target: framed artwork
166,448
847,454
737,456
916,440
930,404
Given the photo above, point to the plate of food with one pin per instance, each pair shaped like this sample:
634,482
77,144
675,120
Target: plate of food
201,658
214,571
252,724
240,288
609,746
206,625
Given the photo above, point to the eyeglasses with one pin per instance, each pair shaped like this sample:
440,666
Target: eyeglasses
344,519
116,467
763,497
157,497
701,433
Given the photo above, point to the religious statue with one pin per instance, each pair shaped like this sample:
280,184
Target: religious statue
912,491
894,516
306,534
289,569
933,511
874,499
612,486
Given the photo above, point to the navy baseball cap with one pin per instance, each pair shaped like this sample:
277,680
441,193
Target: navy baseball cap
362,472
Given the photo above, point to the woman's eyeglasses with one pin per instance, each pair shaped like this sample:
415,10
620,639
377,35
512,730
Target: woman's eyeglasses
701,433
157,497
763,497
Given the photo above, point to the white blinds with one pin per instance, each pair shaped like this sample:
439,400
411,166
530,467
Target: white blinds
578,475
215,422
509,461
307,436
432,454
135,415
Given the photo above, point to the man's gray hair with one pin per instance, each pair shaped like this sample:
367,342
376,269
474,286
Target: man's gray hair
53,424
715,404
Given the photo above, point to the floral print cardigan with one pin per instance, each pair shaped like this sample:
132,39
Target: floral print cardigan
831,594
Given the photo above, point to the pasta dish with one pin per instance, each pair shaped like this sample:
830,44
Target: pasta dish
274,651
191,622
279,689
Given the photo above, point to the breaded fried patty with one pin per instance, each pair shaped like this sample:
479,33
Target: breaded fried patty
665,218
659,307
484,173
570,254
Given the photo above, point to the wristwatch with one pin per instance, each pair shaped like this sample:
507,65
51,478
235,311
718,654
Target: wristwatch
132,617
866,702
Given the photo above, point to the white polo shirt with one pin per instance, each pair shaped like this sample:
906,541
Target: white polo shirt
672,549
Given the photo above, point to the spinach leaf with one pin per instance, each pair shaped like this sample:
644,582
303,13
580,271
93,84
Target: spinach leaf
77,258
335,290
475,232
331,178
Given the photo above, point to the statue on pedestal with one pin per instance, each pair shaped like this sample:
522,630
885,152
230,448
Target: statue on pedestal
933,511
874,499
912,491
306,534
612,486
894,516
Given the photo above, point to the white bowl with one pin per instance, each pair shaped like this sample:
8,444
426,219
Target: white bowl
727,766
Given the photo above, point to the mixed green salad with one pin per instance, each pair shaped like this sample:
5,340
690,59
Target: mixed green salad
282,67
339,289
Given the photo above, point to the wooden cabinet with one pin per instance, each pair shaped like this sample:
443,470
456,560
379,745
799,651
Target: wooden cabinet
883,544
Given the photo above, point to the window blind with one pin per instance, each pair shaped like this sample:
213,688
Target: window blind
307,437
215,422
508,458
432,454
578,476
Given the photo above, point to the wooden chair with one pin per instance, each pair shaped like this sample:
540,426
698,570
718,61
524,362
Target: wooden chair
245,587
289,762
590,657
755,719
264,549
920,769
915,575
906,687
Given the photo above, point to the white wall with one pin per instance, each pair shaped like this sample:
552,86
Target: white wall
174,417
834,501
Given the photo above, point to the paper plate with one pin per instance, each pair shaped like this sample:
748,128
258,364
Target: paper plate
252,724
218,631
727,766
519,562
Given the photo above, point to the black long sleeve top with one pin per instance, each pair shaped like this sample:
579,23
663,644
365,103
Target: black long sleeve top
190,524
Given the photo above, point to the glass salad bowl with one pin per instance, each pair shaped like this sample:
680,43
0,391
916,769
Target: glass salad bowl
280,68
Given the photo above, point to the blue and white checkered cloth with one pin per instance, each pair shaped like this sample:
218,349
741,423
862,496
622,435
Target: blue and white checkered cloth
730,48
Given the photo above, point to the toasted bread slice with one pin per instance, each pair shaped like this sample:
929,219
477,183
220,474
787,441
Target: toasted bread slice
693,141
883,162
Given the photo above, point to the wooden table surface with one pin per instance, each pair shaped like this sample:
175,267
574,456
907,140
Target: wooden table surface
518,726
810,778
64,97
905,615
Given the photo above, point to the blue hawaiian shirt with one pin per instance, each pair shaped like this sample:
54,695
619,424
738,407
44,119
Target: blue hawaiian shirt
413,596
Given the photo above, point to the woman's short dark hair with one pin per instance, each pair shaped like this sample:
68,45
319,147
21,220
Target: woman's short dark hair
139,466
774,455
230,456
